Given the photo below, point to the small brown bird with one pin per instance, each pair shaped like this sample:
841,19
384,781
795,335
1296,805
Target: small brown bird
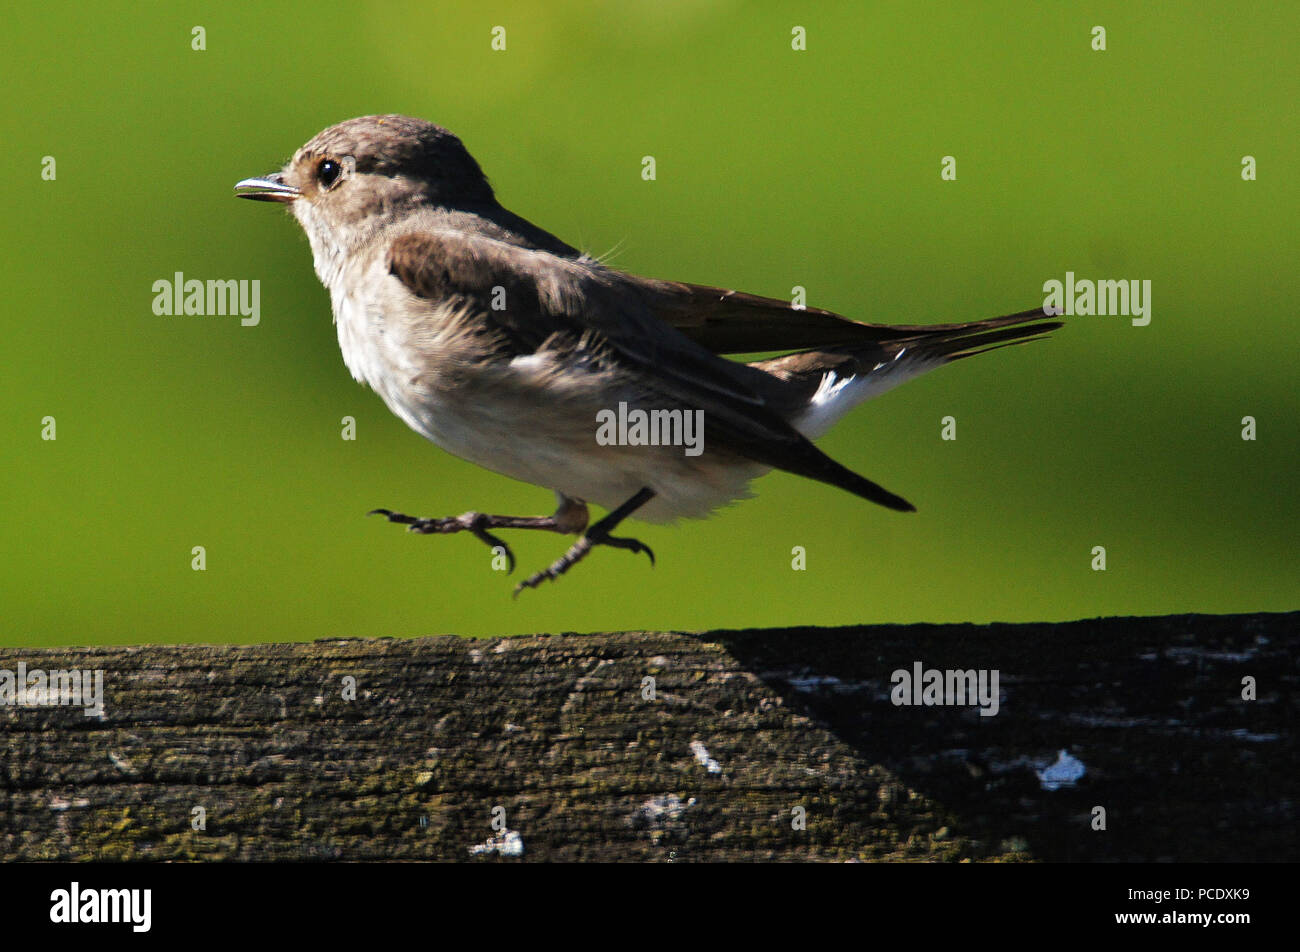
511,349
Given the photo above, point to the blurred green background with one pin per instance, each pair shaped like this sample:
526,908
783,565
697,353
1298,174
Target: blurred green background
775,168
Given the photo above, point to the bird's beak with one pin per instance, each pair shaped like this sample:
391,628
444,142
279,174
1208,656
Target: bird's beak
272,188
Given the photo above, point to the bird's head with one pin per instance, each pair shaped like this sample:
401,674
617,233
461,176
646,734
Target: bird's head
351,178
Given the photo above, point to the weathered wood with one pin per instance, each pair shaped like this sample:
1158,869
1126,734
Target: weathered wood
555,731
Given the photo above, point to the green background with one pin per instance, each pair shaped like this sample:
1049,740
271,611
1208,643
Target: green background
775,168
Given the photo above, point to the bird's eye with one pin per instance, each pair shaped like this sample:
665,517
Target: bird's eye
329,172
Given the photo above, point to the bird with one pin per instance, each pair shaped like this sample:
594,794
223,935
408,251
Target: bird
507,347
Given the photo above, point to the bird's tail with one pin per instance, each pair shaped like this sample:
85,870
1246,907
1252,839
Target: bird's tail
949,342
826,383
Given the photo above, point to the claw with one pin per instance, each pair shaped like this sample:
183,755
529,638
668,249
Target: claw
577,552
492,542
632,545
536,579
411,522
570,518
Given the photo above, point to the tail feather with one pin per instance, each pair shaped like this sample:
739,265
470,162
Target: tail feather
827,383
918,350
961,342
824,384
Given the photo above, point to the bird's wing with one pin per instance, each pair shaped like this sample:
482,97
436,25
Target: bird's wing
733,322
556,301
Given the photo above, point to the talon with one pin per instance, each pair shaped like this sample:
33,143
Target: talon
535,580
569,518
577,552
638,546
632,545
492,542
397,517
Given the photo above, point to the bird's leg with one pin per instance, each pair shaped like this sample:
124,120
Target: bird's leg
570,519
598,534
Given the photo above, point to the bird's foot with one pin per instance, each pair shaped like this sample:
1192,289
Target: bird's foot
598,534
570,518
477,524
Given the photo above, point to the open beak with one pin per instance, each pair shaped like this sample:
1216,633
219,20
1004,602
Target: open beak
272,188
